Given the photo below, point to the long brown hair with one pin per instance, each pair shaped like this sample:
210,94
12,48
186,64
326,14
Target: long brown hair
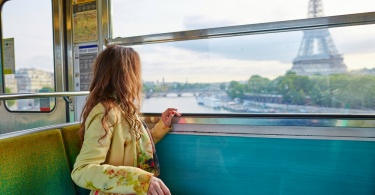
116,83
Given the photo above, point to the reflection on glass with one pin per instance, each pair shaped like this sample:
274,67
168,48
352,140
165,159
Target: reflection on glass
257,74
134,18
33,72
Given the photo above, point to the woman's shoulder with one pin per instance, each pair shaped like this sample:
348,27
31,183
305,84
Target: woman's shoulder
99,109
98,112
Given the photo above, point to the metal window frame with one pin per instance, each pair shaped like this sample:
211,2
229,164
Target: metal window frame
249,29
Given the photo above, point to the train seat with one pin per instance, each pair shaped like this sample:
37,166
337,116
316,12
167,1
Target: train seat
71,141
35,163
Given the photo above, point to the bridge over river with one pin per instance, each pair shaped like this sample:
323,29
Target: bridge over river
180,93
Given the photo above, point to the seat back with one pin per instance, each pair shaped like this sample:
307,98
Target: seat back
71,141
35,163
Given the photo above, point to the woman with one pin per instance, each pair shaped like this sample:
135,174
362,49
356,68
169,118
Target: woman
117,154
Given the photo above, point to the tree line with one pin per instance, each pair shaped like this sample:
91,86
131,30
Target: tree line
340,90
350,90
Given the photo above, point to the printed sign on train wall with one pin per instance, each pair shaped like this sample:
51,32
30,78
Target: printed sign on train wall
45,103
84,57
85,27
9,58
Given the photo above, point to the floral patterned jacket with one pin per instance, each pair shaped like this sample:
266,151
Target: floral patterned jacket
117,163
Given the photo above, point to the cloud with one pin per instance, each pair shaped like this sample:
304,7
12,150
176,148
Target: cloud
39,62
237,58
360,61
179,65
32,32
354,39
228,58
281,47
200,21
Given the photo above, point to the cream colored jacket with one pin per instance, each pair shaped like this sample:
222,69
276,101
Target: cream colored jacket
115,164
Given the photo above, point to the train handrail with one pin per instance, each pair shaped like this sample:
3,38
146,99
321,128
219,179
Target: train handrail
249,29
42,95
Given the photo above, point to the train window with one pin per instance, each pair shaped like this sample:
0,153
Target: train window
28,53
316,71
313,71
133,18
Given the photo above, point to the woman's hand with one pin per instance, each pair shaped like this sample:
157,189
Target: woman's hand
167,116
157,187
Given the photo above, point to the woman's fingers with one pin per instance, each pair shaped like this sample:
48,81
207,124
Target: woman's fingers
171,112
165,189
151,191
157,187
174,112
168,114
159,190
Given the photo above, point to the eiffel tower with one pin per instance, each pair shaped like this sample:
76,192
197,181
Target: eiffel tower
317,54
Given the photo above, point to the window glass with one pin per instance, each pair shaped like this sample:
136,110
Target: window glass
316,71
134,18
31,35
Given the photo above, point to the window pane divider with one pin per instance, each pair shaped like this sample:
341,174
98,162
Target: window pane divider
249,29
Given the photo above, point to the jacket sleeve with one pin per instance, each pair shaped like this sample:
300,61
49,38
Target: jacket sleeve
159,131
90,173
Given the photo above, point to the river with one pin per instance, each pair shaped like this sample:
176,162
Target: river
187,104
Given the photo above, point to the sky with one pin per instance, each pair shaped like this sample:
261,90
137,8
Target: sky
32,32
209,60
234,58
